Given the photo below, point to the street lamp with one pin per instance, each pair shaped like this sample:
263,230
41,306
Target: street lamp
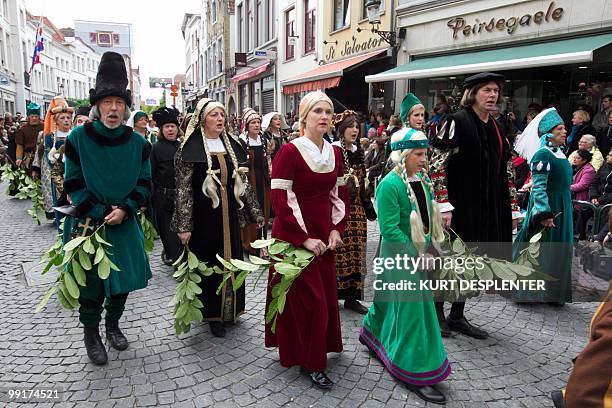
373,12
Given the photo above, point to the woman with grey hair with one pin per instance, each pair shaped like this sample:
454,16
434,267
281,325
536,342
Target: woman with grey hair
587,143
211,192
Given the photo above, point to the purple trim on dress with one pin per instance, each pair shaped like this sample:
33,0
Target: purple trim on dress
373,344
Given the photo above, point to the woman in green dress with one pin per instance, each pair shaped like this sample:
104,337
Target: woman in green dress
550,206
401,327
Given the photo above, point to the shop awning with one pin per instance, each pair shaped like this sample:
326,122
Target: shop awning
251,72
571,51
326,76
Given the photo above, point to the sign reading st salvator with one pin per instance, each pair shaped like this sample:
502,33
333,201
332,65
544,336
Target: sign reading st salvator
353,47
510,25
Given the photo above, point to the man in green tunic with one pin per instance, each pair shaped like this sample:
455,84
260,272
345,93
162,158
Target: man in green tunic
108,178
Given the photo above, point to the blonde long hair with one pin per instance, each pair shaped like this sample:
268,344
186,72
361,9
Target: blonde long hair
417,230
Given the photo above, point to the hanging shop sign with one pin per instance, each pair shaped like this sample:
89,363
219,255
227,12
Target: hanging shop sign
353,46
459,25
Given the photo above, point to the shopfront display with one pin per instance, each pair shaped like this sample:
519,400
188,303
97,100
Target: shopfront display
554,53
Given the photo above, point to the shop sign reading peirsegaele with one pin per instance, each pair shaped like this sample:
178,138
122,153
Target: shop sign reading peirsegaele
510,25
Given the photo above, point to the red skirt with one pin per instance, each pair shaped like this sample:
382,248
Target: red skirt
309,327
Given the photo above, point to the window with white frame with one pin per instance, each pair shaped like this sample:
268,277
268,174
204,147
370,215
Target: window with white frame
2,50
9,58
249,26
213,9
215,57
240,42
310,7
220,56
260,24
272,20
342,14
289,32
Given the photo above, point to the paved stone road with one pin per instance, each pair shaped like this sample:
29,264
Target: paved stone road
527,356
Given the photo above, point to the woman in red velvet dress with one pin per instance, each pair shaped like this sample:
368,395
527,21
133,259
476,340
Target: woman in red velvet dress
310,207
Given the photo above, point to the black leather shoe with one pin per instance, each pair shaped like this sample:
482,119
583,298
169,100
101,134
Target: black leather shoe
217,329
93,344
445,331
558,400
113,334
463,326
321,380
355,306
428,393
166,261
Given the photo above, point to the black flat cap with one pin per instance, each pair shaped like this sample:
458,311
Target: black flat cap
483,77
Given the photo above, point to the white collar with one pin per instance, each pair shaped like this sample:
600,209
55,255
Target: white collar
318,161
61,135
245,137
558,154
215,145
339,144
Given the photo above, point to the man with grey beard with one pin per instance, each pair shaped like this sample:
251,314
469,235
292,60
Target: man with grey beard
108,179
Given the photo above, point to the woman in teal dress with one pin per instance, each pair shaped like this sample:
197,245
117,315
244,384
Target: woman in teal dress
401,327
550,207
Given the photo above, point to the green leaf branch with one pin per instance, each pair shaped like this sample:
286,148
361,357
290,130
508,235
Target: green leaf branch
38,203
149,232
189,273
287,261
524,268
14,177
74,259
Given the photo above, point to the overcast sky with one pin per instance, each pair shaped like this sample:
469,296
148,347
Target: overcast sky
158,41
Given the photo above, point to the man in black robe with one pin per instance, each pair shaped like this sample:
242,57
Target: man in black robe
164,192
469,169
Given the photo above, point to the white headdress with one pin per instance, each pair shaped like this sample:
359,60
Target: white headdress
529,140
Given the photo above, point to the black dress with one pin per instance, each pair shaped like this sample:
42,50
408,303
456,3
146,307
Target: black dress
259,179
278,140
164,192
213,230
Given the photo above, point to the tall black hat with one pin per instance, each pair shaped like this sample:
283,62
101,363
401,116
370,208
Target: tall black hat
165,115
82,111
111,79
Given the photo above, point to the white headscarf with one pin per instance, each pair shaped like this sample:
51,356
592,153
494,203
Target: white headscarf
529,141
267,118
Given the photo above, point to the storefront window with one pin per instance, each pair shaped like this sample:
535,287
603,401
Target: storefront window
268,83
255,97
565,88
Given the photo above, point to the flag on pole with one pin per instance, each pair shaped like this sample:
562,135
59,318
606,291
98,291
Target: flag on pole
38,44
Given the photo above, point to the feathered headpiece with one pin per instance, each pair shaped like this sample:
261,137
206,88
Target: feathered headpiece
57,105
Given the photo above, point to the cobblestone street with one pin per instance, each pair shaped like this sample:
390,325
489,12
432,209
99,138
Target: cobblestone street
527,356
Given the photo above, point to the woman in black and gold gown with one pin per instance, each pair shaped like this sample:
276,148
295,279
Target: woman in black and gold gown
212,201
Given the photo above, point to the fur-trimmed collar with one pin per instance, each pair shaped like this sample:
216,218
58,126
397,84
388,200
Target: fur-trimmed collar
107,141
